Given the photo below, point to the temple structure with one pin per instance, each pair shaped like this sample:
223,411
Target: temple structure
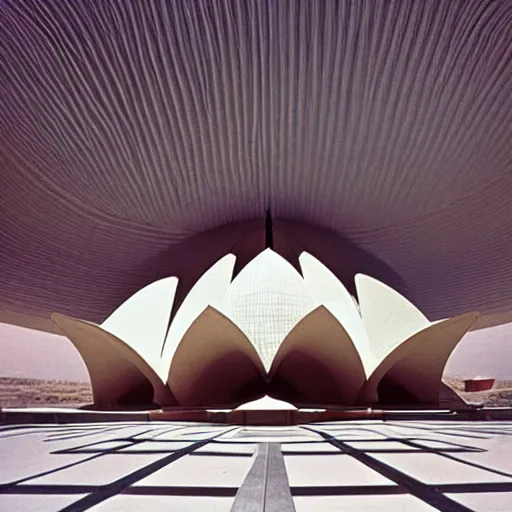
269,331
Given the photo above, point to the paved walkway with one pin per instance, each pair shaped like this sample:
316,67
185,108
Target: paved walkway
367,466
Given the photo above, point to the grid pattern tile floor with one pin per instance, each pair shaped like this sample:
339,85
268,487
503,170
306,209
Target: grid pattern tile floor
365,465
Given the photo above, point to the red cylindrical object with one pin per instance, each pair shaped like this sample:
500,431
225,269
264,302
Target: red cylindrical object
478,384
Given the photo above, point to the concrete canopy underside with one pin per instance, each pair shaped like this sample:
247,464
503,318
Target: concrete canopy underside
127,131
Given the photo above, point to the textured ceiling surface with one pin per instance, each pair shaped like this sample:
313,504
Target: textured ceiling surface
129,128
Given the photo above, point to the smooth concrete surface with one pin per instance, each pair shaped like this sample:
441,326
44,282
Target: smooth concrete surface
339,466
123,503
329,291
361,504
388,316
118,373
210,288
320,346
214,363
143,319
417,363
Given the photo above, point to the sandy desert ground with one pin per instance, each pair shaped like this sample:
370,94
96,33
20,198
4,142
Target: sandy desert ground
499,396
34,392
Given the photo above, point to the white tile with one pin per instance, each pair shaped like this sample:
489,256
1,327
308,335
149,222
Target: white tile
318,470
104,445
127,503
36,502
382,503
32,460
434,469
309,447
354,433
220,448
379,445
497,454
201,471
485,502
441,445
100,471
157,446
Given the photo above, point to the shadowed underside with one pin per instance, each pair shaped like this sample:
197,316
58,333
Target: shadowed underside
215,364
317,363
129,129
118,374
416,365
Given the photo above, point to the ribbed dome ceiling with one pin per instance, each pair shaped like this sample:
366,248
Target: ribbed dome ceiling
127,127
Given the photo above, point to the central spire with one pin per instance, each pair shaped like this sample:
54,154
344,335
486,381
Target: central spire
269,231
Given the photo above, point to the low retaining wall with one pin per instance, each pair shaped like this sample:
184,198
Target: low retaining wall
252,418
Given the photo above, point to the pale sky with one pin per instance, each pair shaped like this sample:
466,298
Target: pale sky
33,354
38,355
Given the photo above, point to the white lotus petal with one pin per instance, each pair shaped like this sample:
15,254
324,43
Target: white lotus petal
209,289
215,364
389,318
266,300
115,369
417,364
329,291
142,320
318,361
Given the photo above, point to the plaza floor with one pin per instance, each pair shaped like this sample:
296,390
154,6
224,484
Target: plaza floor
357,466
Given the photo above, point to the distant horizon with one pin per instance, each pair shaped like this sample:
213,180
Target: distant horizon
57,358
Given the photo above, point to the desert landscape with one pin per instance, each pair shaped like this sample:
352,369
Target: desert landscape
20,392
499,396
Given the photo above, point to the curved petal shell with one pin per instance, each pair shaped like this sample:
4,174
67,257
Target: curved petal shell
118,374
267,299
209,289
416,365
142,320
389,318
317,363
329,291
215,364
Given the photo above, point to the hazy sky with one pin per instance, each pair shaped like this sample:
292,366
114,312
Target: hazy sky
29,353
40,355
